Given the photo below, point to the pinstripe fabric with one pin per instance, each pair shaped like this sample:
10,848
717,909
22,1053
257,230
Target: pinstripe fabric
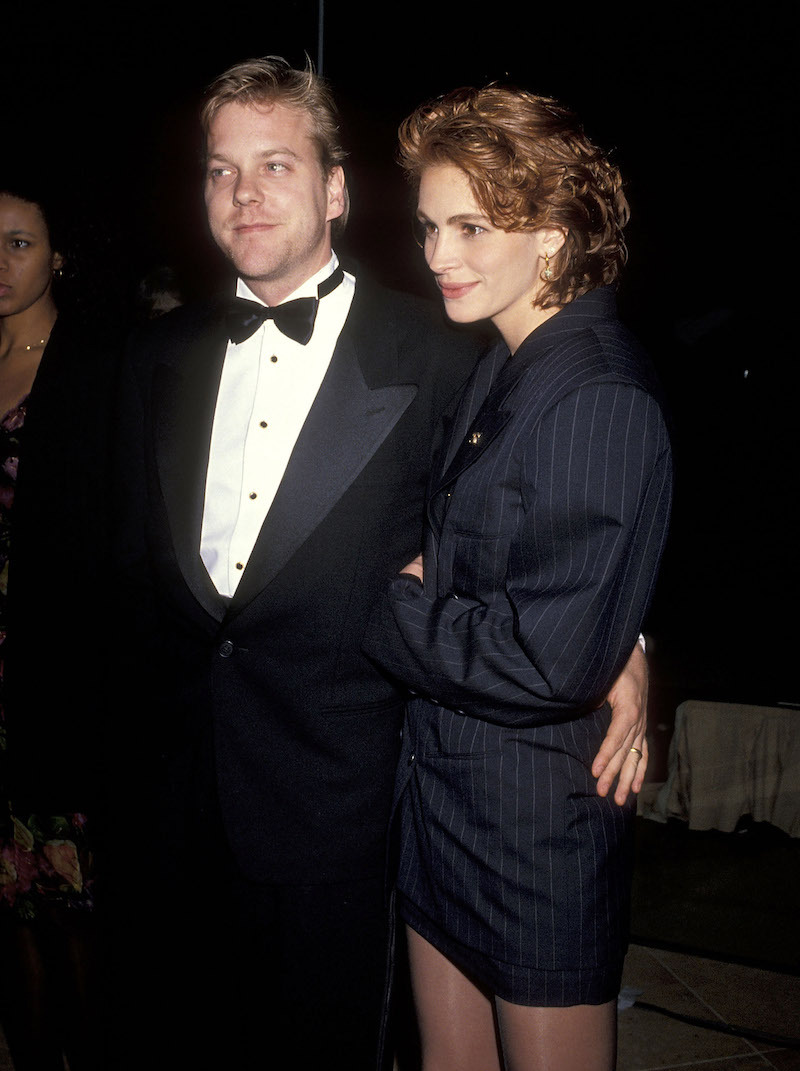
547,517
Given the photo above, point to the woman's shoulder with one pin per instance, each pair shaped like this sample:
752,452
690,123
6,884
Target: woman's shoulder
580,352
592,345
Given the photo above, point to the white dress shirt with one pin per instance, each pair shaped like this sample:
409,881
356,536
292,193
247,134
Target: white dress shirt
268,385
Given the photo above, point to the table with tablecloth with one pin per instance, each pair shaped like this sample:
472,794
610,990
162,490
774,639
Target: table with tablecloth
728,760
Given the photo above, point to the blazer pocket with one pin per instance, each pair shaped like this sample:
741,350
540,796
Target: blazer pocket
457,737
356,710
470,564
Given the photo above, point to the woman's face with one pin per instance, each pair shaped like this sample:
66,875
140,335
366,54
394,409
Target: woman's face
482,272
27,261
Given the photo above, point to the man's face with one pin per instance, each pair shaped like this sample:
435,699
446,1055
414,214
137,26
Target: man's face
269,204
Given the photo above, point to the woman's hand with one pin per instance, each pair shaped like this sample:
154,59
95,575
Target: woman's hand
623,753
415,567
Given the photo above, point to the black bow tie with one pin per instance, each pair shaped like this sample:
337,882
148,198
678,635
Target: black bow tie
295,319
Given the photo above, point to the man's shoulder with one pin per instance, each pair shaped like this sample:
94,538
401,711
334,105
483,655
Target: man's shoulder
411,324
168,338
372,296
193,318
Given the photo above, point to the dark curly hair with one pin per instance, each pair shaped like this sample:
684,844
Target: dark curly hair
90,285
529,165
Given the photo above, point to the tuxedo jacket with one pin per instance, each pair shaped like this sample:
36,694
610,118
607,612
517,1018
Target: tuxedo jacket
547,515
304,728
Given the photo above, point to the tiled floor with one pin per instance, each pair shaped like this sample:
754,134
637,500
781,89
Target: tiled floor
713,991
703,989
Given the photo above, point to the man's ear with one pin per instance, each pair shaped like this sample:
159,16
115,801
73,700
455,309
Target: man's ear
336,195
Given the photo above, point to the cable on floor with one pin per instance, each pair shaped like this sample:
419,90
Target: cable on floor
722,1028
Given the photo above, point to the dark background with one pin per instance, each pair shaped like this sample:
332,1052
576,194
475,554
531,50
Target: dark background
696,104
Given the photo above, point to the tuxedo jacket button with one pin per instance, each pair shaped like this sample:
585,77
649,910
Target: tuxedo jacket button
226,649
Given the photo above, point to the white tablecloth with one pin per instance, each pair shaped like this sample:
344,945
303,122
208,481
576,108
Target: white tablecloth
727,760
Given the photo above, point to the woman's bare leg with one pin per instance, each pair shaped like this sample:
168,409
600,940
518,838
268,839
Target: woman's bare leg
456,1019
581,1038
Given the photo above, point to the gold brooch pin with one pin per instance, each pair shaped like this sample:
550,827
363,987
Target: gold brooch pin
475,438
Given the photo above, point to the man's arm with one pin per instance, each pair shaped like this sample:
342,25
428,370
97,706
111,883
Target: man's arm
623,753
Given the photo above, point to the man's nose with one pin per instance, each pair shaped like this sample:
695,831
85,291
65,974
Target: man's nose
246,189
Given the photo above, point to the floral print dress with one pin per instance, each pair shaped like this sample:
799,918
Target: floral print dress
44,859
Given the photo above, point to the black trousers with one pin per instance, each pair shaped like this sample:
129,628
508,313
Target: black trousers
285,977
217,972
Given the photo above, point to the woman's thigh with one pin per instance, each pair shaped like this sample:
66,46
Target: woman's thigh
457,1024
464,1028
578,1038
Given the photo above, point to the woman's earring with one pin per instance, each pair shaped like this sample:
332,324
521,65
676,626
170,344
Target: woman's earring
548,271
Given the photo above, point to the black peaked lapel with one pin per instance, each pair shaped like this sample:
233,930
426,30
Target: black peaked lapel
349,420
184,417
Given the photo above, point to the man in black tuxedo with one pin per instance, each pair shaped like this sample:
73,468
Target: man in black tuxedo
275,464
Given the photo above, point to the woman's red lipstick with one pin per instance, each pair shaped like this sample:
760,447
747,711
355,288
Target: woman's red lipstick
452,291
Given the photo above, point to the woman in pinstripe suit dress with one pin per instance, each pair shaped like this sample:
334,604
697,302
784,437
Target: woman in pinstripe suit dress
547,515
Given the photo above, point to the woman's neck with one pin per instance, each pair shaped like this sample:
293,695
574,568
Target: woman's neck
23,338
26,332
515,329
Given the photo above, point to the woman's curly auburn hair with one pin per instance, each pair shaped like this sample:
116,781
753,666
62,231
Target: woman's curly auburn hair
529,165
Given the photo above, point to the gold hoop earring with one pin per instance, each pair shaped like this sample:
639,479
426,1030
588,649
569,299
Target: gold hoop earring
548,271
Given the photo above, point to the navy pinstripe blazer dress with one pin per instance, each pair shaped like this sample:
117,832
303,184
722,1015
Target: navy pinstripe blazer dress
547,515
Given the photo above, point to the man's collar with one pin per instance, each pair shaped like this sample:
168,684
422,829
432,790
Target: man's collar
306,289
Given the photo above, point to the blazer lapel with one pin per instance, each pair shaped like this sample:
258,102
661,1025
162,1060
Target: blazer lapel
184,416
469,404
477,420
347,423
482,413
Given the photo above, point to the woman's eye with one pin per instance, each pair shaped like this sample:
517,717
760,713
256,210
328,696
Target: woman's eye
472,230
19,243
423,230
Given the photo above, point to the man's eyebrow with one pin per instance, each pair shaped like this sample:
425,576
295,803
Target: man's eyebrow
281,150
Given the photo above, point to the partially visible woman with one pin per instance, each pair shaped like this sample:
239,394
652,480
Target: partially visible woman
548,513
53,406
